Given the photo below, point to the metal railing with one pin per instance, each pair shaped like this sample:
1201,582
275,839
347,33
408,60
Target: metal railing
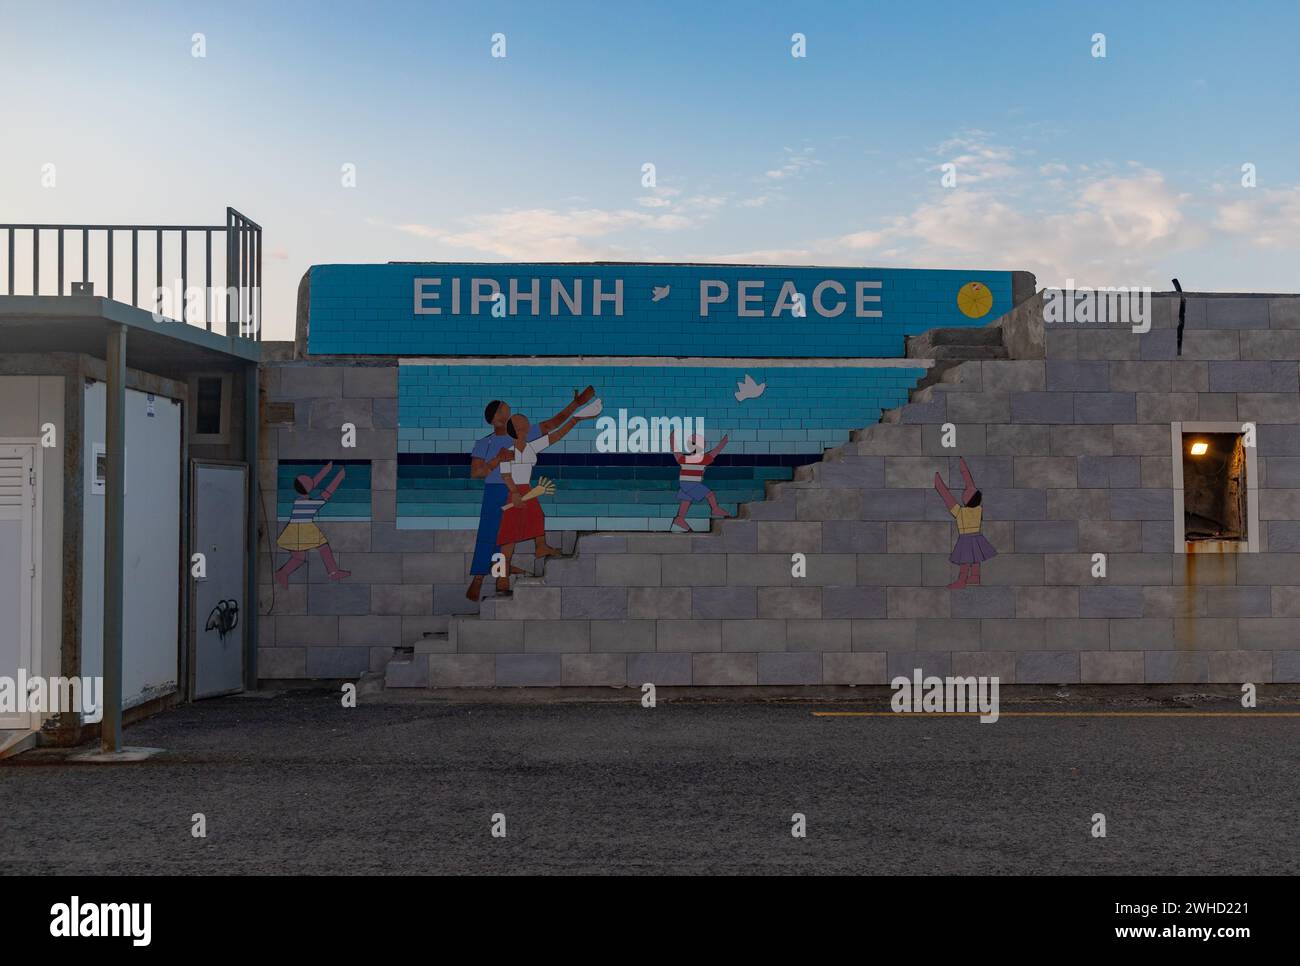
235,305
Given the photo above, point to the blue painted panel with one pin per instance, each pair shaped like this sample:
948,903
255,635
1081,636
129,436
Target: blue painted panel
351,501
676,310
800,412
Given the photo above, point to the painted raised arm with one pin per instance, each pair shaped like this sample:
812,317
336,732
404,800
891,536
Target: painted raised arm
563,431
969,480
580,398
948,499
334,484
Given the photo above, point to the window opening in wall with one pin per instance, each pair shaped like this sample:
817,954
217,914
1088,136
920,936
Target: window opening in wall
207,407
1215,487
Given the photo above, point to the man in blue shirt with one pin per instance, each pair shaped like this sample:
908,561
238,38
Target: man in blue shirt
488,454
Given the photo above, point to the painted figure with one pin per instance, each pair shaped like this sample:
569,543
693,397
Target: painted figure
485,462
522,518
690,480
972,547
301,534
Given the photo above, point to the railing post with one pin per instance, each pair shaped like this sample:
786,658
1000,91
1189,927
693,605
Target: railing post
158,292
185,274
207,285
230,267
258,285
245,296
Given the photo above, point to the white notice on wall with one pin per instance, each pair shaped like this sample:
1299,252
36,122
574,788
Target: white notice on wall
99,468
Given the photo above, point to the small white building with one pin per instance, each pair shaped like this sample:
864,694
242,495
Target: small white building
126,438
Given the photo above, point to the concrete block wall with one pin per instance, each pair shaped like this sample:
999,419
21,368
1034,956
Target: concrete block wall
1073,454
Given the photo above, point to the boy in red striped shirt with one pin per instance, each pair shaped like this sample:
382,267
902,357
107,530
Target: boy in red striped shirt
690,480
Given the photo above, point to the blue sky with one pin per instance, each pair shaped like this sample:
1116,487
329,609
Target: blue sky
1122,170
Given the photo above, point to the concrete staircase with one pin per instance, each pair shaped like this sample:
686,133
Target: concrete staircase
949,347
409,667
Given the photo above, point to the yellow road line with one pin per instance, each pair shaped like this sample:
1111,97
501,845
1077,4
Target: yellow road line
1058,714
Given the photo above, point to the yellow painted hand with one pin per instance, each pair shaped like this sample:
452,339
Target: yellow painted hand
544,487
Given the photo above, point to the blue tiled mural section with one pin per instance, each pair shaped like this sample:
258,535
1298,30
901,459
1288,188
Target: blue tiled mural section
350,502
801,411
553,309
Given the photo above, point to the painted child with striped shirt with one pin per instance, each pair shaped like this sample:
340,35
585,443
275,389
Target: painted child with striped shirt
301,534
690,479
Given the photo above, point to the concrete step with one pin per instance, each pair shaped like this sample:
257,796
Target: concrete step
922,346
407,671
965,352
534,600
953,375
13,743
432,643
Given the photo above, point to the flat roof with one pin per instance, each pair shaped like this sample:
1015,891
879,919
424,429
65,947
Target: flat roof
80,323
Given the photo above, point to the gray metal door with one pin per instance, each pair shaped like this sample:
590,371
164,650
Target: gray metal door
219,508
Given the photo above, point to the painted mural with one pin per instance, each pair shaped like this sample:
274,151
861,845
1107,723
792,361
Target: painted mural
770,367
510,511
619,469
304,500
972,547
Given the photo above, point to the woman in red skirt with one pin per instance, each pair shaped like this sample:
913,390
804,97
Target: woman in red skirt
523,520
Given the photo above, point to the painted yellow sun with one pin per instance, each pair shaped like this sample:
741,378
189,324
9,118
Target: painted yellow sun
974,299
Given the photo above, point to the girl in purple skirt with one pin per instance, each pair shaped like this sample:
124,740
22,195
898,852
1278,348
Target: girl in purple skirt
972,548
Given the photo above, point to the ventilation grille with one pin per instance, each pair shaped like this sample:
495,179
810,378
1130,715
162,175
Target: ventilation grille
12,481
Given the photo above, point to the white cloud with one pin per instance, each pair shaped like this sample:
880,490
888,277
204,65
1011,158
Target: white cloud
975,158
1267,217
545,233
1099,223
763,256
1106,231
797,164
1100,230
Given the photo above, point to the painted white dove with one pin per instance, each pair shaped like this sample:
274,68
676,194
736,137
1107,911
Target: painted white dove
749,389
660,292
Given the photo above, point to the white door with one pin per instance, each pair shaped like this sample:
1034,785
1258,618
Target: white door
17,571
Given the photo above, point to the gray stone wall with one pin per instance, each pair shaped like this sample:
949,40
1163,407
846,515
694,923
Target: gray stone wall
1073,453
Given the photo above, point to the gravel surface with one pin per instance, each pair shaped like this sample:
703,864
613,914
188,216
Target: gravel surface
295,783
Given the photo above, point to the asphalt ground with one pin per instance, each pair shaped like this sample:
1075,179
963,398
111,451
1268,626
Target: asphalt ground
409,782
